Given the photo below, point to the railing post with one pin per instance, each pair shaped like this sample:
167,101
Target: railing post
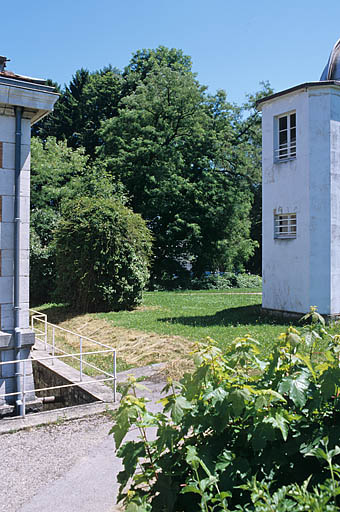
114,376
24,391
46,332
81,357
53,344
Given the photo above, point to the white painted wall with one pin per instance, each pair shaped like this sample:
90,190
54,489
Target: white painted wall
305,271
335,201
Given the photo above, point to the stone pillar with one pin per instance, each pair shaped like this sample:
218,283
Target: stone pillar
36,100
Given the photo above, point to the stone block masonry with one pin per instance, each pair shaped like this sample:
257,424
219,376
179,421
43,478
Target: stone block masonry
23,101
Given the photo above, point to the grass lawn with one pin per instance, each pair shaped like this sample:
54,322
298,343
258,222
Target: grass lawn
222,315
165,325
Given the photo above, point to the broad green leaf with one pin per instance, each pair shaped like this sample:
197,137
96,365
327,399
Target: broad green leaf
308,339
121,428
237,400
133,507
130,452
293,339
266,397
215,395
192,458
177,408
263,433
141,387
330,381
190,488
205,483
296,387
278,422
318,453
305,359
224,460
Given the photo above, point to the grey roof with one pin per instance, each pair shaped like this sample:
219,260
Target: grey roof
305,86
332,69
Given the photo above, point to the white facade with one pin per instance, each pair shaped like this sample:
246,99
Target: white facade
303,269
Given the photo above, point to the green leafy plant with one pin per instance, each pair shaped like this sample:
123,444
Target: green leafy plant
237,417
102,254
248,281
225,281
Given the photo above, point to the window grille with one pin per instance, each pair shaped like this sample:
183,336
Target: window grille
286,145
285,225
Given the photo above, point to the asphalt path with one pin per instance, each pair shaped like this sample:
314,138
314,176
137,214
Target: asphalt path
65,467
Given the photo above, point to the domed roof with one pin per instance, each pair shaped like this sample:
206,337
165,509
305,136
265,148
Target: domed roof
332,69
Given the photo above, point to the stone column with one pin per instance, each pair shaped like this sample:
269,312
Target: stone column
36,100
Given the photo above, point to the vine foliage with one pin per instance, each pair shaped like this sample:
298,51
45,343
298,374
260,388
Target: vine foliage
239,429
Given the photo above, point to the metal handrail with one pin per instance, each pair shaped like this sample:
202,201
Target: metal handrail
70,332
79,356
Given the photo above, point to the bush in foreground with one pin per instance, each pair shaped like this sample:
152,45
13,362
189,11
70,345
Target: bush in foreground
239,419
102,255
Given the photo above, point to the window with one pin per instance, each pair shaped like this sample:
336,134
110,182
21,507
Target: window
286,143
285,225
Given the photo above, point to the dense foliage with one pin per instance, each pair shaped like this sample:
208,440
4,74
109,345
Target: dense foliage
226,281
187,161
55,167
240,418
102,255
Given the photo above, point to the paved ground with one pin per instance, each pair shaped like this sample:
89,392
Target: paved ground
65,467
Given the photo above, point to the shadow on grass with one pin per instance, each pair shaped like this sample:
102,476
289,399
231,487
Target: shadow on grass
57,313
243,315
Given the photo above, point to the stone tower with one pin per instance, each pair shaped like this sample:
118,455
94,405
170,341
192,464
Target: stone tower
23,101
301,195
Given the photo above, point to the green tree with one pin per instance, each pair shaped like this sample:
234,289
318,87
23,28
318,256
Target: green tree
84,103
58,173
64,122
189,162
101,96
54,165
103,252
248,142
165,147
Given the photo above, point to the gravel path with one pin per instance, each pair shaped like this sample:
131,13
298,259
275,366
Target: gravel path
32,459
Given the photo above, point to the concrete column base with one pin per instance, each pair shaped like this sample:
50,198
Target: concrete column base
7,371
293,315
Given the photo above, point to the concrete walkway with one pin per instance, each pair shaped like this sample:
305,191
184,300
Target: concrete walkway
66,467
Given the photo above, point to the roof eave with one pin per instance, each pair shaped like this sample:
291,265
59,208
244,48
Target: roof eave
305,85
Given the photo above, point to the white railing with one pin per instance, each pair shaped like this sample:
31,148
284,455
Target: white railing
285,151
51,335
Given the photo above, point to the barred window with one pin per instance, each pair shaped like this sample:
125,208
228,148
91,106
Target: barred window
286,134
285,225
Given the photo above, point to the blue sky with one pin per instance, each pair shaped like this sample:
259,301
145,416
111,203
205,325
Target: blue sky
233,44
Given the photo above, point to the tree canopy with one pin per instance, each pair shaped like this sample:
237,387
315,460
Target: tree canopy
187,161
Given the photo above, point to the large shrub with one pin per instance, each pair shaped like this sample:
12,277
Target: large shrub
238,418
42,255
102,255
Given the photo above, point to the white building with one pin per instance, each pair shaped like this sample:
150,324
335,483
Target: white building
23,101
301,195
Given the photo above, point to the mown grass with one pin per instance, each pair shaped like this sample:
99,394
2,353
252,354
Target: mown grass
192,315
221,315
